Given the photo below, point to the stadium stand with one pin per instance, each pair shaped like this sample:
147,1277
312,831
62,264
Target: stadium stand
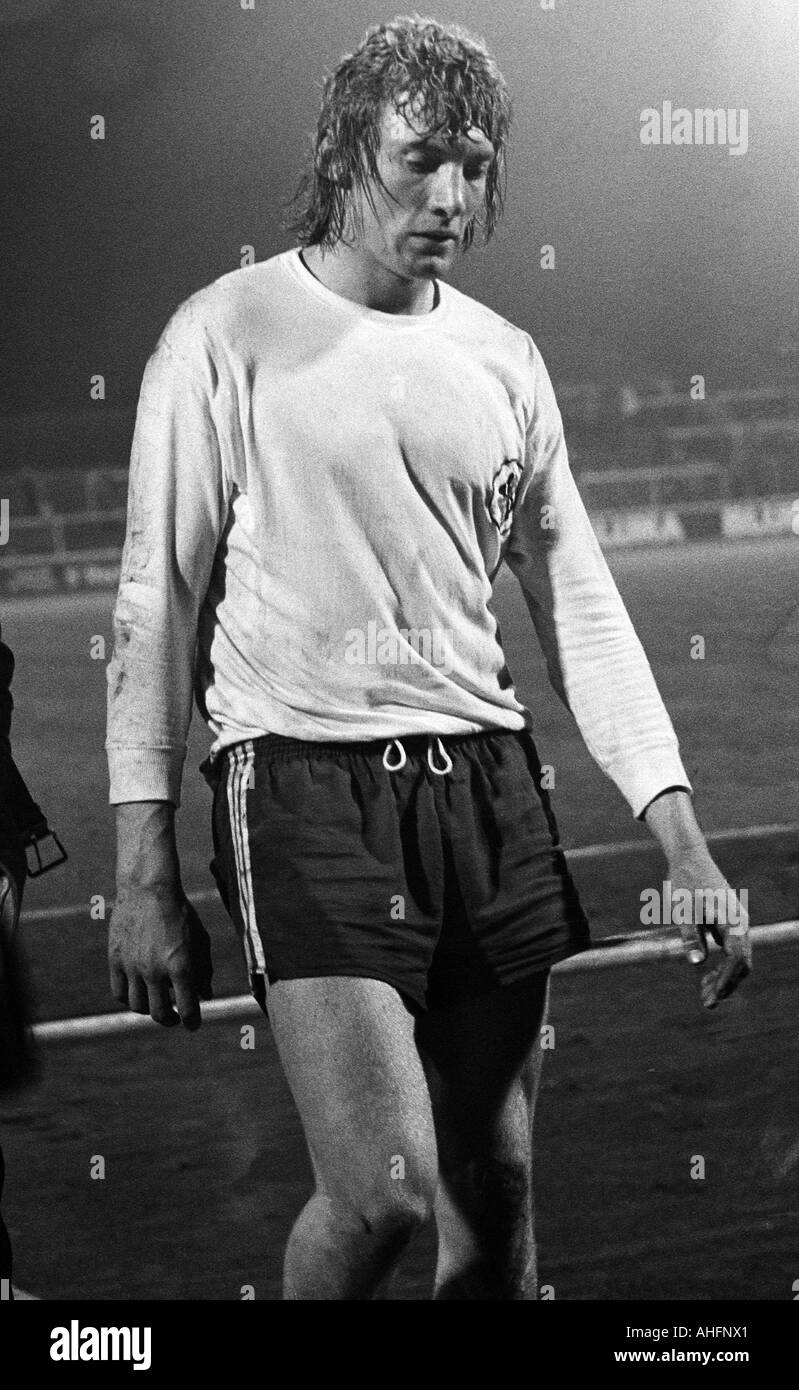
652,468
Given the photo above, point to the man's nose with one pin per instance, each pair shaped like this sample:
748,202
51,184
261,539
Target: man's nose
449,191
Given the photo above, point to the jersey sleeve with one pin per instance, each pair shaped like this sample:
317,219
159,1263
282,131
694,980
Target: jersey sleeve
178,501
595,660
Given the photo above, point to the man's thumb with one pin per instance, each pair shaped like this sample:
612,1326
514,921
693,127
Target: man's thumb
694,942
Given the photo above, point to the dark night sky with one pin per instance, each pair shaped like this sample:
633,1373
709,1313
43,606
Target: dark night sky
681,259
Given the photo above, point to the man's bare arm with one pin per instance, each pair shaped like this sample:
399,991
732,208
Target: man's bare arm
147,854
672,820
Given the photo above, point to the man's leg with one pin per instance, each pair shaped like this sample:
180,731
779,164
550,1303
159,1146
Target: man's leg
483,1061
348,1052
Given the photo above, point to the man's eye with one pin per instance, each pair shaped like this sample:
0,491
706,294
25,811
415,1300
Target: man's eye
473,172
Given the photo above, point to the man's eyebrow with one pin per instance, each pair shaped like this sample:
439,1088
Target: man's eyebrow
432,142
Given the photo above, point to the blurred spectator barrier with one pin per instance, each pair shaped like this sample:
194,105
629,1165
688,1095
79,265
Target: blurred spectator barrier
66,527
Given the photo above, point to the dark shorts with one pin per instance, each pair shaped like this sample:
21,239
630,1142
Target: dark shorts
444,883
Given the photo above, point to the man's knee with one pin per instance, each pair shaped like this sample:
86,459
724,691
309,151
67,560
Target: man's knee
506,1180
393,1209
497,1189
486,1240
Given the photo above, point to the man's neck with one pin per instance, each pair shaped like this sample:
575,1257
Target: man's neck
367,282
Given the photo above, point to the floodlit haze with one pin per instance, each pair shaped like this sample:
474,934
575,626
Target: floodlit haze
668,258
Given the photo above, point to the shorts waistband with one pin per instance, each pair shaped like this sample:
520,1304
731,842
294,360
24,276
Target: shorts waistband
416,745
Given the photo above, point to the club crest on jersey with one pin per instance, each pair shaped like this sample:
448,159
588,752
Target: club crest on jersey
503,495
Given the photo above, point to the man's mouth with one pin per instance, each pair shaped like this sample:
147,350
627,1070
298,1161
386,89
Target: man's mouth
442,237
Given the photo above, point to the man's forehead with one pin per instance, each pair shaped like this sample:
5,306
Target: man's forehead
401,128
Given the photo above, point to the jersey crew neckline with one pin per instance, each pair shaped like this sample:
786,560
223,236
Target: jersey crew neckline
294,264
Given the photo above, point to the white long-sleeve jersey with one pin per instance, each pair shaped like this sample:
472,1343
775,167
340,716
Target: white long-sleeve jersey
321,496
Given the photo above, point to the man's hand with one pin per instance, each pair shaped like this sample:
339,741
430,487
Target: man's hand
159,956
159,953
714,907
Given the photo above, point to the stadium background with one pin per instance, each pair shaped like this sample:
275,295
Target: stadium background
669,263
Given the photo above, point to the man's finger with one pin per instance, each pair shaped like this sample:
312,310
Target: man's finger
720,983
735,965
138,999
733,938
694,942
737,942
161,1005
119,982
187,1000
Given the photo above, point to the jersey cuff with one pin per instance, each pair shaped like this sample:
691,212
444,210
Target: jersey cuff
644,776
145,774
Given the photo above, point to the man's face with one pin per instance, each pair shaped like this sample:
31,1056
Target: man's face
432,189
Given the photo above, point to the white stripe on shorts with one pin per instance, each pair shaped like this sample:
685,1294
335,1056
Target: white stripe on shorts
239,777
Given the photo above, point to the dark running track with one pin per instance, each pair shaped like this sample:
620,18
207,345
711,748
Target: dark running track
204,1161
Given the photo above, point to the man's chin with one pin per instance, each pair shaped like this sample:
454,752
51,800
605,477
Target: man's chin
431,257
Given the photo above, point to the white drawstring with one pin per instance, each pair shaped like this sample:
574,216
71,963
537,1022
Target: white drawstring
442,771
394,767
398,766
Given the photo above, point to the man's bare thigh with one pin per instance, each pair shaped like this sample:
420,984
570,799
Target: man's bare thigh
348,1052
483,1064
